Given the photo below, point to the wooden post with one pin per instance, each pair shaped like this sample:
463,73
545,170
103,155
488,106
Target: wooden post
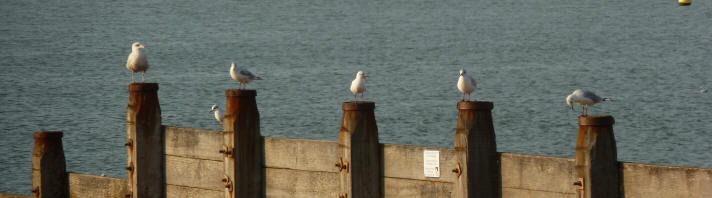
596,157
49,174
360,154
476,150
243,146
145,142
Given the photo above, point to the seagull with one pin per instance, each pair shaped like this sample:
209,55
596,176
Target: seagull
137,61
358,85
466,84
242,76
704,90
585,99
218,115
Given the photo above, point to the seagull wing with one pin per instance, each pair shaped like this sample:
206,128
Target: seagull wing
592,96
248,74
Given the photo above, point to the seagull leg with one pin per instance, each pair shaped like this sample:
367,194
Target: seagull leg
143,76
132,77
355,97
468,97
463,97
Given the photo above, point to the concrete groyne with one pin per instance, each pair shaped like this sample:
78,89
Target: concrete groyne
168,161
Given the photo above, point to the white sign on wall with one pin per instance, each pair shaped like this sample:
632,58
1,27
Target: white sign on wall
431,163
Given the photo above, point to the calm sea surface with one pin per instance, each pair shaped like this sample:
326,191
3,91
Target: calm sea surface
62,67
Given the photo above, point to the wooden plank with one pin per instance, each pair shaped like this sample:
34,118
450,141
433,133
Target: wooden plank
300,154
298,184
395,187
405,161
184,191
193,143
49,176
199,173
144,132
361,153
476,151
242,119
538,173
83,185
597,157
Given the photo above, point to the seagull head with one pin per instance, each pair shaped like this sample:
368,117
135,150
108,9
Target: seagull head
214,108
137,46
361,74
570,101
462,72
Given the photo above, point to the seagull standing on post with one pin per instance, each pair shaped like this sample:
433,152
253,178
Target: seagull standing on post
137,61
358,85
585,99
242,76
466,84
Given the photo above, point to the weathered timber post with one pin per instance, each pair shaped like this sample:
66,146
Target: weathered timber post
596,158
476,150
243,146
49,174
144,142
360,154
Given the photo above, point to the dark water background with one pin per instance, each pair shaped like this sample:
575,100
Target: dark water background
62,67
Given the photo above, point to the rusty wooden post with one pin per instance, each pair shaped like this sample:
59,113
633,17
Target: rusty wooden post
596,157
49,174
144,142
243,146
476,150
360,154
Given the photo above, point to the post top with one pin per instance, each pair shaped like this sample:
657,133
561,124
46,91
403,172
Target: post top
143,87
596,120
47,134
475,105
358,106
240,92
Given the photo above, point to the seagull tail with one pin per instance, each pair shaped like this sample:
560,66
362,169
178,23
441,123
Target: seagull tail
607,99
258,78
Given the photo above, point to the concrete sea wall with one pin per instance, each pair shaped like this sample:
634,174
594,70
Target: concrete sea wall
168,161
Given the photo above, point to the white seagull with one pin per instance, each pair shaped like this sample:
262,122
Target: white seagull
585,99
358,85
137,61
466,84
218,115
242,76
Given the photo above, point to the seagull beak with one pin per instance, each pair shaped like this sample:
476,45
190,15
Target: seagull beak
143,46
